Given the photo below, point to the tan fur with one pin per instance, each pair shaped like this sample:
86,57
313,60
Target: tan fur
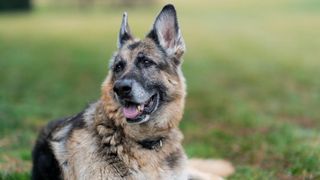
106,147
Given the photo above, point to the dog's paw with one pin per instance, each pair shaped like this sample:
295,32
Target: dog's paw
209,169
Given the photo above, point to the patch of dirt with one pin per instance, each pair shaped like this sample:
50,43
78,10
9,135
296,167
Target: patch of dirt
305,122
11,164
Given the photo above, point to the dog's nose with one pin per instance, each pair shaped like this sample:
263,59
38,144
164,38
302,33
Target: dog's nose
123,87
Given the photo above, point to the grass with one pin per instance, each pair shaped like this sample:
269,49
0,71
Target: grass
252,70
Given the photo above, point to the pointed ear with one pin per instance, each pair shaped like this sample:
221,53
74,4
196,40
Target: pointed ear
124,34
166,32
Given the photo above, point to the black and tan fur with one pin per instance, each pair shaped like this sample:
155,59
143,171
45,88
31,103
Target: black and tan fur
100,142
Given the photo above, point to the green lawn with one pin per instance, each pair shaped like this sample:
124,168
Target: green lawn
252,69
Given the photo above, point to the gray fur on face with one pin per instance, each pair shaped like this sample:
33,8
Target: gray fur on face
139,94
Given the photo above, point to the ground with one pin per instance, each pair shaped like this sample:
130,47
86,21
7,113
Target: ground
252,69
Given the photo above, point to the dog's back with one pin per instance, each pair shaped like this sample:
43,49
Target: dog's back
45,163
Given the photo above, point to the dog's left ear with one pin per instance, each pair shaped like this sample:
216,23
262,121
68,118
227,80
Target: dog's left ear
166,32
124,34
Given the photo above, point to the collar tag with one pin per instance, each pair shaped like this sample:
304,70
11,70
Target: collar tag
151,144
160,142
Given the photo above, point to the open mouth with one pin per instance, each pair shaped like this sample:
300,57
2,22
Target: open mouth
138,113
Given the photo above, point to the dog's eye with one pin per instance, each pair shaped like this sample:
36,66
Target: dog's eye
118,67
147,62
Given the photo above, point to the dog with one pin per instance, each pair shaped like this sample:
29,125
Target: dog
132,131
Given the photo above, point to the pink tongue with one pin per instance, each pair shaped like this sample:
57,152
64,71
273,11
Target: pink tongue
130,112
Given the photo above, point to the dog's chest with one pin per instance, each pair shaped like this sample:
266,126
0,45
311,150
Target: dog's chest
83,159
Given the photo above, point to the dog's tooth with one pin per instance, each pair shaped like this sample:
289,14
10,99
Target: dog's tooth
139,108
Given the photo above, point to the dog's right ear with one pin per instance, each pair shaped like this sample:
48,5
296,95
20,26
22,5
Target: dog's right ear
166,32
124,34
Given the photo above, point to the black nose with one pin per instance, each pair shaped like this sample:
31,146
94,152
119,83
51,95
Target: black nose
123,87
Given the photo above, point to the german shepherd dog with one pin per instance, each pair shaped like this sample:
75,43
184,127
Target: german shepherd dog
131,132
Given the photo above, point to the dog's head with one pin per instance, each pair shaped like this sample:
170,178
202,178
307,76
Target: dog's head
145,75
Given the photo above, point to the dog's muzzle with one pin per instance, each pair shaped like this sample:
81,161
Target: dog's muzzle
137,103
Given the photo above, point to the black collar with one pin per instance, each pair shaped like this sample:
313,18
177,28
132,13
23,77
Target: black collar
152,144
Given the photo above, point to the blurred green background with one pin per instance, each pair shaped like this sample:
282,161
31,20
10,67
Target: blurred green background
252,69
